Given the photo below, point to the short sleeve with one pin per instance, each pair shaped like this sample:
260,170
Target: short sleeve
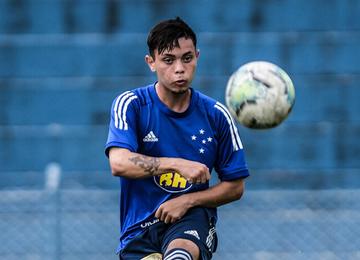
230,163
123,126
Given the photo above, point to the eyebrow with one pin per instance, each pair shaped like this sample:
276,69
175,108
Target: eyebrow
172,55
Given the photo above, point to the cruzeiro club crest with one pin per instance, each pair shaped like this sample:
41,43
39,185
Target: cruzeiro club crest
172,182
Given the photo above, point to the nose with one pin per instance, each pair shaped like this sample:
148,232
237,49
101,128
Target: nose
179,67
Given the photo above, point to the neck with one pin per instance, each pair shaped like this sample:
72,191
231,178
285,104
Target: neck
177,102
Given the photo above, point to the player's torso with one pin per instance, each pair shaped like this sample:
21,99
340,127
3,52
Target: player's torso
191,136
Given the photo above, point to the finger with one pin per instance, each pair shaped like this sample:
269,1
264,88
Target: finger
167,219
208,176
198,181
193,180
203,178
158,213
165,216
173,220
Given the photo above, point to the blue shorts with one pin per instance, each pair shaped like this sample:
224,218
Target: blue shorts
197,225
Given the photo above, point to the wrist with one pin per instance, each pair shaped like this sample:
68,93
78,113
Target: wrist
168,164
191,200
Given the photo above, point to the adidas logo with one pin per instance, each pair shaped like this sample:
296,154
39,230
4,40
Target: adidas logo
150,137
193,233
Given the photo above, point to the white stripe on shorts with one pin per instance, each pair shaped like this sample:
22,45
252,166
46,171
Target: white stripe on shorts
178,255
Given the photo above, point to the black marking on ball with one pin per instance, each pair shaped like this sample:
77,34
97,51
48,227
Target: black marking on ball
253,122
242,105
281,78
256,125
258,79
250,101
262,82
238,110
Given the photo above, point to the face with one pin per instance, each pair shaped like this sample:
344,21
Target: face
175,68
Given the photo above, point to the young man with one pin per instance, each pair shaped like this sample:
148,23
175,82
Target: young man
164,140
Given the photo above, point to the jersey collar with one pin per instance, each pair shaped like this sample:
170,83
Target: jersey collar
166,110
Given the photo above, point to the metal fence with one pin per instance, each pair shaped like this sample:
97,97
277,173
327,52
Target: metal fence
266,224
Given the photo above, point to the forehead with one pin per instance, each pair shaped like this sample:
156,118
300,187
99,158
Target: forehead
185,46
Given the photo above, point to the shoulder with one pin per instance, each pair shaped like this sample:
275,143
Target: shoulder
214,108
205,101
137,97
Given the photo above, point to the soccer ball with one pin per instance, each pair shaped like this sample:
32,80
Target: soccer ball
260,95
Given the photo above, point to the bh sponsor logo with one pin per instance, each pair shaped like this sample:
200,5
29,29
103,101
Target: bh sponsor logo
172,182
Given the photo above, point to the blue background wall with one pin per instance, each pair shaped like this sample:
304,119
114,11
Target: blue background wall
62,63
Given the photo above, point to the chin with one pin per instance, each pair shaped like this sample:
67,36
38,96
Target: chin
180,91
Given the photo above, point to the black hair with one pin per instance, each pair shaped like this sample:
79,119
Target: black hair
165,35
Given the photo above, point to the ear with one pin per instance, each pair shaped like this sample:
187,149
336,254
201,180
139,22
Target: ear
197,53
150,62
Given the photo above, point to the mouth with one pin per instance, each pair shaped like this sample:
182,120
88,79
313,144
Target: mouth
180,82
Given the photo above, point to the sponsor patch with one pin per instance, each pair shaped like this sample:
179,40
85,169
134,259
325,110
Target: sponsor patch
172,182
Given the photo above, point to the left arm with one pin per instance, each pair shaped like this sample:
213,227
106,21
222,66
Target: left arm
217,195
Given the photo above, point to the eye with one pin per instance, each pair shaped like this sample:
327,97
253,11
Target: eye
188,58
168,60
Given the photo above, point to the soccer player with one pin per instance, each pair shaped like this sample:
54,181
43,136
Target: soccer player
164,141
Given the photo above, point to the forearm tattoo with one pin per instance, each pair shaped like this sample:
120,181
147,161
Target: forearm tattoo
149,164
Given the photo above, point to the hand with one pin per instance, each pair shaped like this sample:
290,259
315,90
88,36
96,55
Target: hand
173,210
193,172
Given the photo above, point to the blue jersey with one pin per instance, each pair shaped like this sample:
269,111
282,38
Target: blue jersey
205,133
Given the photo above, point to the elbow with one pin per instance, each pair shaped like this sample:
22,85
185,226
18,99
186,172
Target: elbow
238,194
238,191
117,160
116,171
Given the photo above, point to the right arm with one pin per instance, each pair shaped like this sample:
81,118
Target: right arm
132,165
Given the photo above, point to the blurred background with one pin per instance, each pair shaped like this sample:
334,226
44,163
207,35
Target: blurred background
62,62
